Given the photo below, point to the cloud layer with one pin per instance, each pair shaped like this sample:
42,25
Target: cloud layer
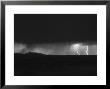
56,49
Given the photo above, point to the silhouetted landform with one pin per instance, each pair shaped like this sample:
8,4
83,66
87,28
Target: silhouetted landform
30,54
36,64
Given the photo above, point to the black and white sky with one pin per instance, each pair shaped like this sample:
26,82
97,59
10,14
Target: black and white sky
55,34
54,28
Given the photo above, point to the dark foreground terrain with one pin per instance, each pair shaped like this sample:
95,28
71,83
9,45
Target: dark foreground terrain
33,64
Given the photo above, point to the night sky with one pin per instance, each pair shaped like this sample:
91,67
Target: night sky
54,28
42,29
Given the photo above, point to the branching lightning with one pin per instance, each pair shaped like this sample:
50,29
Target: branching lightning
75,48
87,50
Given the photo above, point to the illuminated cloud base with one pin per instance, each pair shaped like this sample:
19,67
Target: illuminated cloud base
57,49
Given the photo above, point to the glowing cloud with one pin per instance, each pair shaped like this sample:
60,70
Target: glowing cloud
56,49
79,49
20,48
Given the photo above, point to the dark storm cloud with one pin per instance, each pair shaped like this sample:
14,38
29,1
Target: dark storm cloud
54,28
42,33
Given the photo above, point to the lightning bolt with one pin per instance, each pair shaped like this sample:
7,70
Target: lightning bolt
87,50
75,48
